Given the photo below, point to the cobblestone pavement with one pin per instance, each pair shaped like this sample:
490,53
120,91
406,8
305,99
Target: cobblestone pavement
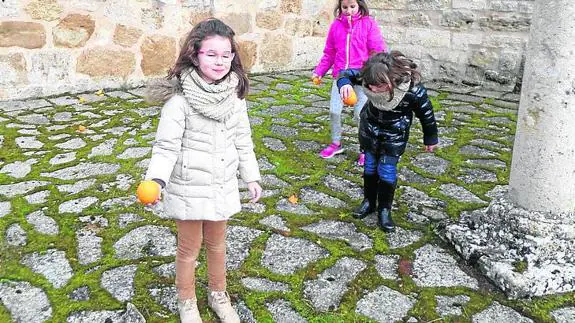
76,247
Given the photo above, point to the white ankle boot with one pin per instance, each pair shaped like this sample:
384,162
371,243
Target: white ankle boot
189,312
220,303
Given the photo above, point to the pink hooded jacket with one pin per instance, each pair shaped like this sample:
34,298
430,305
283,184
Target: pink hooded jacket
350,46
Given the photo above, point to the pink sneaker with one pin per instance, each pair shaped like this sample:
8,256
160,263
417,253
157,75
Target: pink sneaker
361,159
331,151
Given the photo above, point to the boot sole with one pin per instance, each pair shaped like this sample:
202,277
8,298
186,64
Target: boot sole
333,155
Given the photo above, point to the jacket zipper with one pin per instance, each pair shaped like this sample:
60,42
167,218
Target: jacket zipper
347,41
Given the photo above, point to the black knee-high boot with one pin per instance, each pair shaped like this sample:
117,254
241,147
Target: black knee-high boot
367,206
385,192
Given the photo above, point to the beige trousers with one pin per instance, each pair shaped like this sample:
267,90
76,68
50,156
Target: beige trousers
190,236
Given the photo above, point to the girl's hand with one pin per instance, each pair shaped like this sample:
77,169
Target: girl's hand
315,76
345,91
159,196
255,191
430,148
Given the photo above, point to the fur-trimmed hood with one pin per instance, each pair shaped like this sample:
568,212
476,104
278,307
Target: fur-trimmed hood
159,91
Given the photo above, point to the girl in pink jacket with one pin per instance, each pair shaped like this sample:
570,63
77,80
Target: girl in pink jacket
352,37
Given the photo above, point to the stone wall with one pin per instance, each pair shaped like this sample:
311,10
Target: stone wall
55,46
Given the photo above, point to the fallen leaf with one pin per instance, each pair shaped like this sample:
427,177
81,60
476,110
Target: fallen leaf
81,128
100,93
81,100
405,267
293,199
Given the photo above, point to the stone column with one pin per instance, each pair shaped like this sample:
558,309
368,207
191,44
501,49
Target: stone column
543,167
524,241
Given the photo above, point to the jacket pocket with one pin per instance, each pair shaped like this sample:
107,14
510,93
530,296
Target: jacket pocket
186,171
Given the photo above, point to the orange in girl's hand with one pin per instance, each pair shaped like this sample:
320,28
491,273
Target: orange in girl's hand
351,99
316,81
148,192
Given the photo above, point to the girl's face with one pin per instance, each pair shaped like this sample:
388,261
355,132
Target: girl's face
380,88
349,7
215,58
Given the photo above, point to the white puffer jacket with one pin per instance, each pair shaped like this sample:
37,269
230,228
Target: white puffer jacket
198,159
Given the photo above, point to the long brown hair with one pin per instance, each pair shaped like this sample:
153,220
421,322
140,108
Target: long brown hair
389,68
188,57
360,3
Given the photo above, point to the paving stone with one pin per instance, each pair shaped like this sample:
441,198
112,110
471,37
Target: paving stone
42,223
269,180
275,222
28,143
128,218
123,182
94,220
7,106
18,169
402,238
135,152
491,163
564,315
89,248
63,116
343,185
341,231
167,296
415,199
32,132
130,315
308,195
5,208
80,294
52,264
451,305
431,163
119,282
385,305
475,175
284,205
387,266
38,197
244,312
434,267
265,164
16,236
282,311
166,270
274,144
264,285
77,187
72,144
60,136
34,118
78,205
238,242
24,302
120,95
283,131
83,170
476,151
64,100
326,291
499,313
407,175
12,190
307,145
63,158
258,208
119,202
146,241
285,255
459,193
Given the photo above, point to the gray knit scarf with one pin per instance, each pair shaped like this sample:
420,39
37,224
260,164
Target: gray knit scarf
381,100
214,101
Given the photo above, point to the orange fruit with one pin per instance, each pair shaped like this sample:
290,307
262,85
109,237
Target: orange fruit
148,192
351,100
81,128
316,81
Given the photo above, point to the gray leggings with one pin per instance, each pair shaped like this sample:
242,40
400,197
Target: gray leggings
336,106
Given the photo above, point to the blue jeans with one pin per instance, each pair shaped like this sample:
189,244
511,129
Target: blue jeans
336,106
384,165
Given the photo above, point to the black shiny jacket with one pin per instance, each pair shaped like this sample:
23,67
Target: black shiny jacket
387,132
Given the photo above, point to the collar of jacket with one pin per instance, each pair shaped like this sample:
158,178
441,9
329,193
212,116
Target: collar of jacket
343,19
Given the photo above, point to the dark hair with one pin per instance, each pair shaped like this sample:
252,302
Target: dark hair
189,53
360,3
389,68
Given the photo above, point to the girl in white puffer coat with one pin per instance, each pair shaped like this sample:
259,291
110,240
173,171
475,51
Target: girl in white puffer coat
202,140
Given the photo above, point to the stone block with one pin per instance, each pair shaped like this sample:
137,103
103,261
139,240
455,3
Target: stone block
22,34
13,70
463,40
50,67
73,31
428,37
152,18
298,27
248,53
506,22
469,4
240,22
427,4
10,8
310,8
509,42
306,53
102,62
484,58
158,55
48,10
126,36
196,17
457,18
416,19
388,4
276,50
321,23
271,20
268,4
291,6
